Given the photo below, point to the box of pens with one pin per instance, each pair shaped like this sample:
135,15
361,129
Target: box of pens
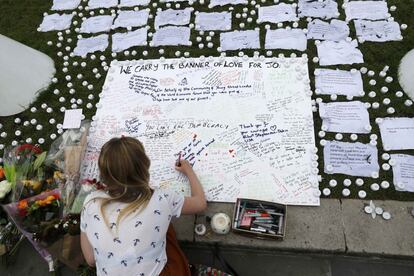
259,218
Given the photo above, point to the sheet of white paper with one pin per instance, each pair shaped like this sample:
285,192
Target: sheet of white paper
91,44
72,119
123,41
377,30
336,30
286,39
240,40
96,4
245,125
339,82
373,10
172,36
214,3
131,19
56,22
212,21
277,13
341,52
97,24
173,17
59,5
320,9
403,172
345,117
354,159
132,3
397,133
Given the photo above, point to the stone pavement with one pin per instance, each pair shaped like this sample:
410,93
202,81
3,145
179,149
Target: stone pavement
337,226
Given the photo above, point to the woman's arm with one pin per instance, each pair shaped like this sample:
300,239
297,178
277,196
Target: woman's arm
87,249
197,202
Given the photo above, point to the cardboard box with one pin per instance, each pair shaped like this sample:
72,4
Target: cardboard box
260,219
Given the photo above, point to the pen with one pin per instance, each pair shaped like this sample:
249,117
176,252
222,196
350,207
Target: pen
178,163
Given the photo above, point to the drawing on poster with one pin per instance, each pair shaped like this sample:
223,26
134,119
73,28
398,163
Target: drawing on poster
244,124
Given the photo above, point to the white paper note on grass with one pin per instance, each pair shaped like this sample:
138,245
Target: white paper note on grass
56,22
131,19
91,44
345,117
240,40
373,10
403,172
72,119
97,24
341,52
397,133
214,3
208,21
277,13
96,4
286,39
173,17
379,31
172,36
340,82
336,30
132,3
122,41
354,159
59,5
320,9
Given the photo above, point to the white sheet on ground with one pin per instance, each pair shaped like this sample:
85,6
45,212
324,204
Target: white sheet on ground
59,5
377,30
277,13
336,30
403,172
240,40
338,82
320,9
373,10
341,52
97,4
397,133
97,24
123,41
172,36
131,19
286,39
173,17
208,21
56,22
91,44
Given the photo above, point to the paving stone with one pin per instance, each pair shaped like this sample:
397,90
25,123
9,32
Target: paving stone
365,235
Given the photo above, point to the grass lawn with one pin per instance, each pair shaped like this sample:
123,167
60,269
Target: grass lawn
20,19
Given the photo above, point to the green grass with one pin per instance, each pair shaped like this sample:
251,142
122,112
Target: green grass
20,19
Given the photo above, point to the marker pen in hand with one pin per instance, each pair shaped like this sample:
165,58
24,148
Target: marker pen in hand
178,163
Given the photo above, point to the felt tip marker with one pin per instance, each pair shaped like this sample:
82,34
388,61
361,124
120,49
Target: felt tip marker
178,163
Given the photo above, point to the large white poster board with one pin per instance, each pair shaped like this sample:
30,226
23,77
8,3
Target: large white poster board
245,124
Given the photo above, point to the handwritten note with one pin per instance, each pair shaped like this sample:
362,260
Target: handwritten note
224,116
341,52
214,3
91,44
277,13
403,172
345,117
97,24
354,159
239,40
131,19
72,119
65,4
172,17
286,39
56,22
208,21
122,41
336,30
132,3
339,82
397,133
172,36
95,4
320,9
379,31
373,10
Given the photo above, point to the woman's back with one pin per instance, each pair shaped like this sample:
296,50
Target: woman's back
137,245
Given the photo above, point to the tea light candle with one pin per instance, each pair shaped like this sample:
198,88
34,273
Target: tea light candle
338,136
347,182
372,82
385,156
403,26
374,187
385,184
371,73
372,94
363,70
382,74
326,192
385,167
384,89
362,194
322,142
220,223
359,182
399,94
390,110
386,101
388,79
386,215
346,192
354,137
408,103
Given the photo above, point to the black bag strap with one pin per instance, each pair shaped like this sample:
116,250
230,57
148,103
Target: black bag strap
226,265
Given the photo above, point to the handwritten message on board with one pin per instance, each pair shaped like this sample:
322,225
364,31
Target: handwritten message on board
244,124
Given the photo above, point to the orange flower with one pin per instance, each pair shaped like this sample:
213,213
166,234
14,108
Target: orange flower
22,204
1,173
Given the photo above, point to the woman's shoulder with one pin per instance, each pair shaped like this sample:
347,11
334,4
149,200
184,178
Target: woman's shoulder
95,195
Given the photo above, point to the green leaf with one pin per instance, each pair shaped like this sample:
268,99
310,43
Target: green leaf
39,160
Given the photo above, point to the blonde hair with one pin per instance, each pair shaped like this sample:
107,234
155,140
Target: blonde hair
124,169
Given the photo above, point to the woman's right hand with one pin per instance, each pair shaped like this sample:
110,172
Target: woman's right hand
184,167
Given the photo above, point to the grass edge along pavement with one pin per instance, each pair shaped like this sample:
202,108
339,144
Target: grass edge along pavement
20,20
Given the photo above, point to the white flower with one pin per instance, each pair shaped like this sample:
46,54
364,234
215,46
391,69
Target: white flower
5,187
